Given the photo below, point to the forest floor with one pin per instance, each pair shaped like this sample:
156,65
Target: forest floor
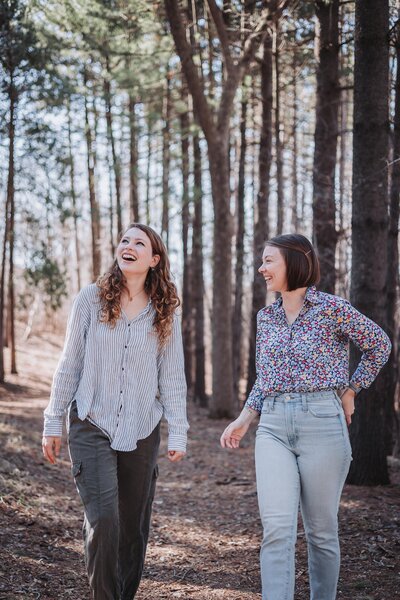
205,533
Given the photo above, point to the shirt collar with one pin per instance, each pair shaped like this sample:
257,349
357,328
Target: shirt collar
312,296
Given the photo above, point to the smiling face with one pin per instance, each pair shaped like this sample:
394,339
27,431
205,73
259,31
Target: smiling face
273,269
135,254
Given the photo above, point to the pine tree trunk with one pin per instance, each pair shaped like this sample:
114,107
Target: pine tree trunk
148,167
73,200
295,181
222,398
370,225
111,140
326,129
133,163
2,290
261,226
240,231
10,227
198,278
187,324
342,242
393,266
94,207
278,133
166,159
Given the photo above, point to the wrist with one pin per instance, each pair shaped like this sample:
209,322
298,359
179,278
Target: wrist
352,386
247,416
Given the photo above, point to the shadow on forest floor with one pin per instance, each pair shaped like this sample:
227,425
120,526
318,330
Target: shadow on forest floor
205,533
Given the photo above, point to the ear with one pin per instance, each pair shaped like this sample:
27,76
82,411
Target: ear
155,259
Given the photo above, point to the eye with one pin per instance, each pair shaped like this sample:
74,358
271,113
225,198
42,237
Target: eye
124,240
141,243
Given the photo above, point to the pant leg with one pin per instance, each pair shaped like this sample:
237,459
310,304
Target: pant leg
278,488
137,472
324,460
94,467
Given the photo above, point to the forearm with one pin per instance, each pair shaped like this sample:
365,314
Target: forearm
247,416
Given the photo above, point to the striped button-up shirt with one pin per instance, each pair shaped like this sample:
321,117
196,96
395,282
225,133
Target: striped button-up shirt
119,378
311,354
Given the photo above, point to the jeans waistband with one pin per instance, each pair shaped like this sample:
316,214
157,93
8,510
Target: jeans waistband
302,397
298,396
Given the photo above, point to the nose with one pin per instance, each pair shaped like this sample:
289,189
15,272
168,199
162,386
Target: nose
261,268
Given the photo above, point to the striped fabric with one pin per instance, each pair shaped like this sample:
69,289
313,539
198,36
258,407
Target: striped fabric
120,380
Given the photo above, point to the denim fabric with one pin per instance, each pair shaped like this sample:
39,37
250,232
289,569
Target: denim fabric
117,491
303,455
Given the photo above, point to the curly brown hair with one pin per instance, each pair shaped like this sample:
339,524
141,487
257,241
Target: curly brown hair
158,285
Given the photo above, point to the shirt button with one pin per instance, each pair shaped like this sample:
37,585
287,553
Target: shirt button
129,324
121,392
126,346
123,368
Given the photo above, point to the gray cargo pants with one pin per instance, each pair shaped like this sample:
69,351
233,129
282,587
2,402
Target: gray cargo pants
117,491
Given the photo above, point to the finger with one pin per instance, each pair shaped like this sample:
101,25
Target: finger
57,446
48,453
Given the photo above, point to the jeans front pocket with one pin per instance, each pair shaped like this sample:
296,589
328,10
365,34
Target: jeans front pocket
324,409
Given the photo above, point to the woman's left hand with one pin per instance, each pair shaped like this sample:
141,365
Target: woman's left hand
175,455
347,399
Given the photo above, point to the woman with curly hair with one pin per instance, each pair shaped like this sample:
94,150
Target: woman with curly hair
121,370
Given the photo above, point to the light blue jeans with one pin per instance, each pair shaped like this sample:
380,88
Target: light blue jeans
303,455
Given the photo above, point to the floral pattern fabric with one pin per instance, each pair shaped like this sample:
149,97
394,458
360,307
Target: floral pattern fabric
311,354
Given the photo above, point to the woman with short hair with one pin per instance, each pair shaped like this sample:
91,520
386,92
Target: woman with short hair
306,400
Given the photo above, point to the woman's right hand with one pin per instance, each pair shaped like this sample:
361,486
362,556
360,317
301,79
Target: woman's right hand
51,447
233,434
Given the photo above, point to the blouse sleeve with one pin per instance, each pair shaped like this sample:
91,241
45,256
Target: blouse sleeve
367,337
172,388
67,376
255,400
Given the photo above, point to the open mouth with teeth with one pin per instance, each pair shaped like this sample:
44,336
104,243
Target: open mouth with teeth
128,258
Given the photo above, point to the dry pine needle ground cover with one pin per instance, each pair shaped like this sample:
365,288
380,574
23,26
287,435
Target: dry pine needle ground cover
205,531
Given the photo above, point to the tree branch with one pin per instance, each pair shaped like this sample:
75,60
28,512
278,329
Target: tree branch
184,50
222,34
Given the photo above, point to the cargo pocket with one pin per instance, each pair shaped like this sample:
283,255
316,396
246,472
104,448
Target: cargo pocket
76,469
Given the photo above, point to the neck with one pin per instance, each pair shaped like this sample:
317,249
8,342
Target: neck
135,285
295,299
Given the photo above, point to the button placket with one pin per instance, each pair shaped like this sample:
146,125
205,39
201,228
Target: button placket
122,378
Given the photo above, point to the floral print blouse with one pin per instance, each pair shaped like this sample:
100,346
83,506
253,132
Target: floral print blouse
312,353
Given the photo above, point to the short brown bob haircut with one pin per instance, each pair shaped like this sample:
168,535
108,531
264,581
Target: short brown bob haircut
302,264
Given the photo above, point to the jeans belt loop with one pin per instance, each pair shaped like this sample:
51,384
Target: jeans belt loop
272,403
304,403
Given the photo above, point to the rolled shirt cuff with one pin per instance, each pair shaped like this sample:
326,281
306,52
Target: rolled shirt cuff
53,426
177,442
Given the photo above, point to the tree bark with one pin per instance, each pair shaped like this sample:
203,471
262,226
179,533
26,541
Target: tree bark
370,225
187,323
166,158
393,266
11,225
199,391
73,200
148,168
94,207
261,226
237,326
133,163
278,134
111,140
326,130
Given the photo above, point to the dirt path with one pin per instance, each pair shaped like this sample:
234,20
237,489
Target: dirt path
205,533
